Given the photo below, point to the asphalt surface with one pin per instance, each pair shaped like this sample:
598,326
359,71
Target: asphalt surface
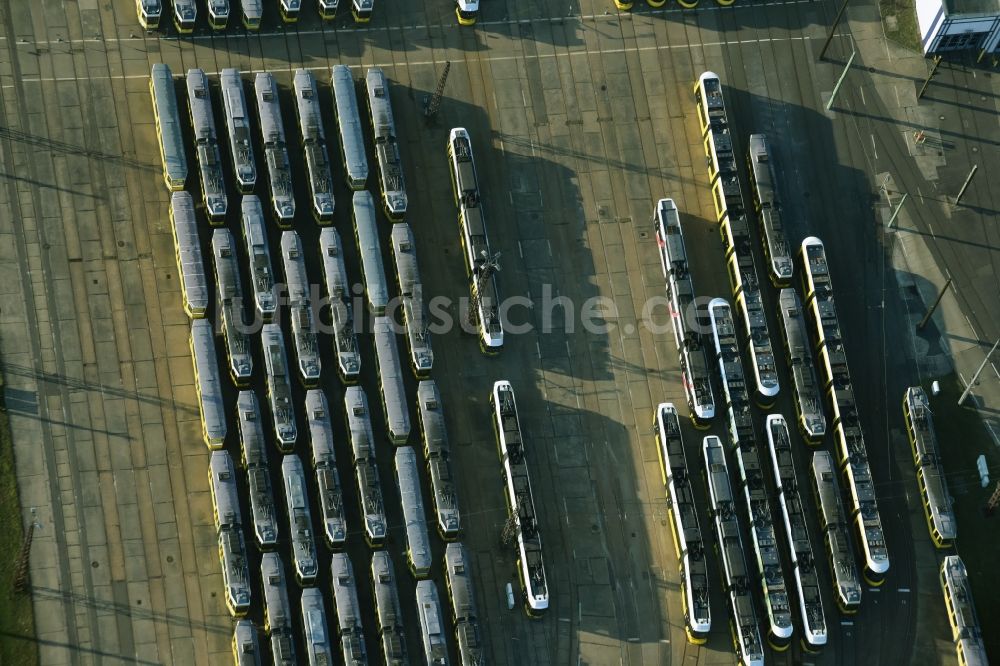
580,119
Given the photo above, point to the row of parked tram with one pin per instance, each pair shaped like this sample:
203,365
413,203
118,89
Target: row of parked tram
312,137
317,468
480,263
184,13
331,501
718,332
251,12
849,444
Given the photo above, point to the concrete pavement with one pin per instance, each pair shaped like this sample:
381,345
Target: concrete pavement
580,120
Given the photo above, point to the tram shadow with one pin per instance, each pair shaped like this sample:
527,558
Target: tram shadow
553,24
825,192
578,417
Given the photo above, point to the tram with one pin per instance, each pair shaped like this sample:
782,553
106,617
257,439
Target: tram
272,129
206,147
304,555
438,453
352,143
418,543
372,268
729,545
208,384
277,610
480,262
254,461
412,296
314,146
390,382
218,14
234,104
168,127
305,341
185,16
734,228
940,517
338,291
187,253
350,630
261,271
743,440
246,646
684,525
520,504
800,550
362,10
965,629
359,428
387,610
324,463
768,206
834,526
684,313
229,307
319,651
390,165
229,529
252,14
431,623
467,11
458,582
849,443
279,388
808,396
149,13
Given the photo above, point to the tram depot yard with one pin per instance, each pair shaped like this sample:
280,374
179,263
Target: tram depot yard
322,430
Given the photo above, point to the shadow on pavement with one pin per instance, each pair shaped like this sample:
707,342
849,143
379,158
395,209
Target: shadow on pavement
75,599
76,649
43,377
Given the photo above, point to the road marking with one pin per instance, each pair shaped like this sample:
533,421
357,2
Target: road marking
861,89
847,623
438,62
903,589
875,150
